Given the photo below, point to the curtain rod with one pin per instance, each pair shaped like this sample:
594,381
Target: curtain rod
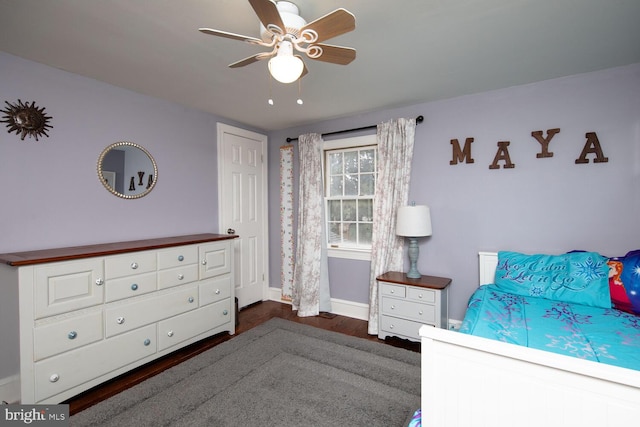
419,119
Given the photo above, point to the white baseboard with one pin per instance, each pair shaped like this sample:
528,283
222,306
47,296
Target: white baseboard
10,389
341,307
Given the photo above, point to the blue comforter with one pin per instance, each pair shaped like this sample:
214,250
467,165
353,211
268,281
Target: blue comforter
603,335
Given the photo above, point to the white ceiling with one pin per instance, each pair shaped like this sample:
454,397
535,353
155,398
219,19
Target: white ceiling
408,51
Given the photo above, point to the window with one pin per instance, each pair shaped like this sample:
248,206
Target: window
350,183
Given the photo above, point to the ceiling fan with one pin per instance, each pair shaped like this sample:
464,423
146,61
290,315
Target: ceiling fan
283,30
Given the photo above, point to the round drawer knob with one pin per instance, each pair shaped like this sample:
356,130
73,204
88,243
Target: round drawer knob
134,265
180,258
217,291
134,287
393,307
170,333
191,299
420,312
180,276
120,320
391,327
72,335
100,281
225,312
147,341
420,296
54,378
392,291
204,262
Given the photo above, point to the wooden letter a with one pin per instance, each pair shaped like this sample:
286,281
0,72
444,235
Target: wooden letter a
502,154
592,146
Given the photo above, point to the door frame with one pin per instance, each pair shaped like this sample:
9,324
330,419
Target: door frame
223,128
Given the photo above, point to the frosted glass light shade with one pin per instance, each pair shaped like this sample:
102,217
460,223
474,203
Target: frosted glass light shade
413,221
286,68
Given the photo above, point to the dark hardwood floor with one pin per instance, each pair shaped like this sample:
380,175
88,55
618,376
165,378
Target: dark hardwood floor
249,317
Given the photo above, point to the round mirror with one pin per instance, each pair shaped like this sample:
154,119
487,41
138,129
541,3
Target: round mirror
127,170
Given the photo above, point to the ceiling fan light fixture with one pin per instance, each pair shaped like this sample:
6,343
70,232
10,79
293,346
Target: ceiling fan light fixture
285,67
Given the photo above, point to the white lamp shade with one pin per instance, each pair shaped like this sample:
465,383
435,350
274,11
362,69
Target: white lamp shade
413,221
285,67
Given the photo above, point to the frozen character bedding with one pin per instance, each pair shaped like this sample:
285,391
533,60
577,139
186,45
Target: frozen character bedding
561,304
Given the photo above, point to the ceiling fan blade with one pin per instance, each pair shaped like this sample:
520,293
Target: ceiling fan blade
334,54
250,60
338,22
268,14
233,36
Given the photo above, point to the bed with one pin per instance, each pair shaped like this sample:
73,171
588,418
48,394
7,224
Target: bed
486,380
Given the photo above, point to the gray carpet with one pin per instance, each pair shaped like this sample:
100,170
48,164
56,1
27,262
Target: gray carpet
280,373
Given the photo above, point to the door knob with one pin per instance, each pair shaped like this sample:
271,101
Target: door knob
231,231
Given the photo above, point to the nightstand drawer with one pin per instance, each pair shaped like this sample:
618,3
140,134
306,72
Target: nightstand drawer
409,310
421,294
393,290
403,327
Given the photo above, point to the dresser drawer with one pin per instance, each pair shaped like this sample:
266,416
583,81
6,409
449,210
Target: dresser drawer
67,334
174,257
185,326
133,263
421,294
177,276
123,317
65,371
214,290
68,286
409,310
396,326
129,286
393,290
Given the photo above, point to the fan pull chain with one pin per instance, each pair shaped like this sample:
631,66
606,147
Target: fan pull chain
270,100
299,101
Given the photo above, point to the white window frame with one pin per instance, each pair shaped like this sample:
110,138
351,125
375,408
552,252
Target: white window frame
336,144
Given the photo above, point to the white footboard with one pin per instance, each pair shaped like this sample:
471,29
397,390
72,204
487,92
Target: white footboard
470,381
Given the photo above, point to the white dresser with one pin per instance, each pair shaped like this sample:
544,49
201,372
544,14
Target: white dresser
405,304
88,314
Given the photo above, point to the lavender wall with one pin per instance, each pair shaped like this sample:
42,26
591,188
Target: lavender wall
546,205
51,195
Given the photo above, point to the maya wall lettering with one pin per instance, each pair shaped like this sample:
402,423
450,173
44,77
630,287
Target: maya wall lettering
591,147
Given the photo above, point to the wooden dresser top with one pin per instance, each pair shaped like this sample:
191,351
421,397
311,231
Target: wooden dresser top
77,252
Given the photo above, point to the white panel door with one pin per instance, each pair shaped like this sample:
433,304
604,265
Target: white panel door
242,202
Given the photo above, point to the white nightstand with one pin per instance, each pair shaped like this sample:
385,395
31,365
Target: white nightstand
406,304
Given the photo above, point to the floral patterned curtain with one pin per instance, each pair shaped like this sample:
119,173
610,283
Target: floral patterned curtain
311,272
395,150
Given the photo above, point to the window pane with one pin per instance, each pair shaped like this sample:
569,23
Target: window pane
367,163
351,185
335,162
334,233
349,210
351,162
336,186
367,184
350,233
365,210
334,210
366,231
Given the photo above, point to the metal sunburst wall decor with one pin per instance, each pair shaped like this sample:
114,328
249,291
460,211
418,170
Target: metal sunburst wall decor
26,120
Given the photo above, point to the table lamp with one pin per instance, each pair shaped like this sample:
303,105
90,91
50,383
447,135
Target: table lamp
413,222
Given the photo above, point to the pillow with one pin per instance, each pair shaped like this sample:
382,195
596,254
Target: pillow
624,282
576,277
